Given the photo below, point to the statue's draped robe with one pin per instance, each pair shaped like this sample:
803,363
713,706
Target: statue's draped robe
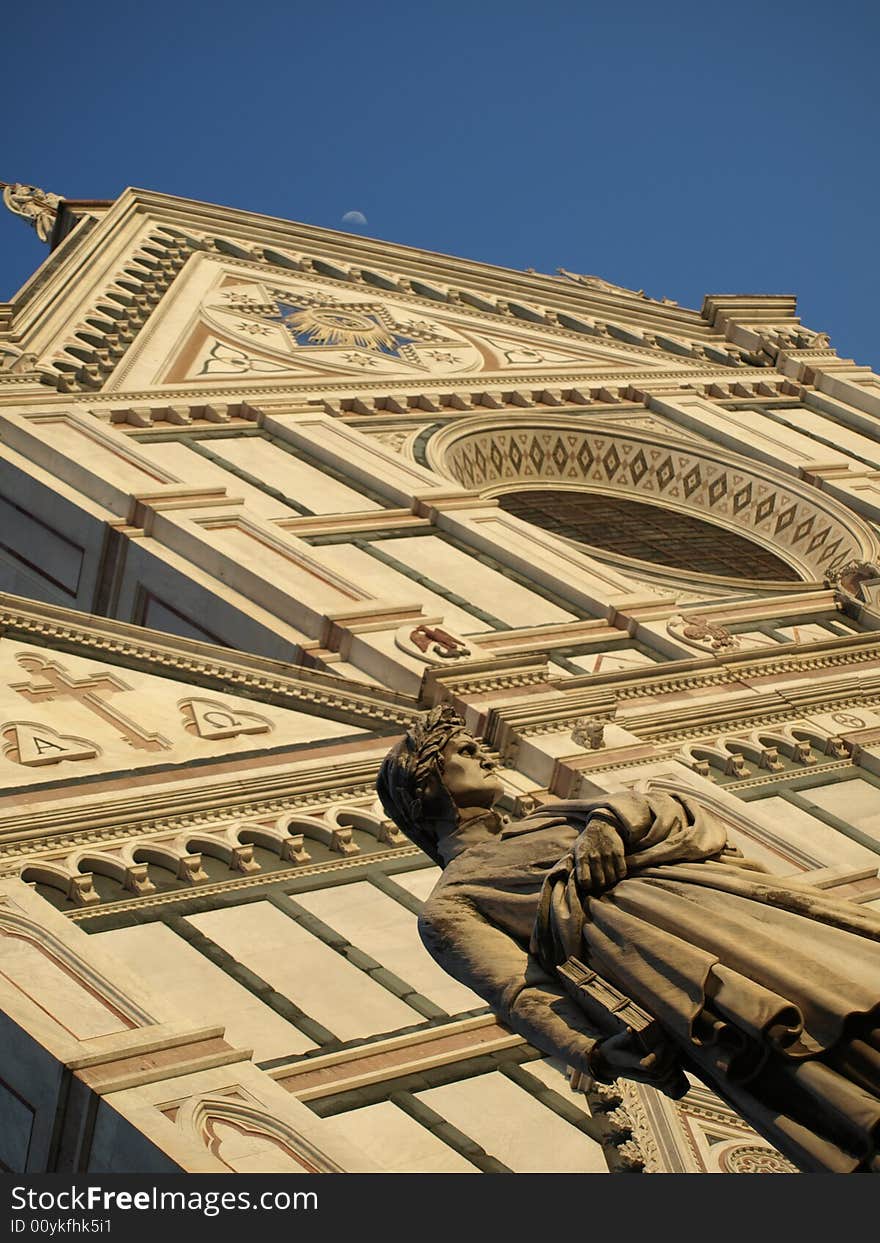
770,988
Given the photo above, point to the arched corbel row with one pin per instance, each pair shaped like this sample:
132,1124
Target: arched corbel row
368,820
797,749
762,756
130,875
184,864
701,757
335,838
825,743
128,865
238,856
761,748
90,356
77,886
287,846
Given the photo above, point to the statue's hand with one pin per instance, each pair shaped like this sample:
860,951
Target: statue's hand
621,1057
598,857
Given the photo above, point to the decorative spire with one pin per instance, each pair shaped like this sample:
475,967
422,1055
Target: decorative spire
37,206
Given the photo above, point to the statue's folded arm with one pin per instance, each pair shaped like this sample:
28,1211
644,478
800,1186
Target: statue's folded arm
488,960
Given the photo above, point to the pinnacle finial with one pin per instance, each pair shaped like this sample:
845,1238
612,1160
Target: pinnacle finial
37,206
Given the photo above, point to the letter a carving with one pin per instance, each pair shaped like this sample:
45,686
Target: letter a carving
210,719
35,745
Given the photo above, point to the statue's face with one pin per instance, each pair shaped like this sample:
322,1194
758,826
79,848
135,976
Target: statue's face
469,774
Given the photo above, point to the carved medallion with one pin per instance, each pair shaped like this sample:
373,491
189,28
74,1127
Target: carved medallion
701,633
433,644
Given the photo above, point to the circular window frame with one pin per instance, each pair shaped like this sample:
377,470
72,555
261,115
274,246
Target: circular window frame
804,505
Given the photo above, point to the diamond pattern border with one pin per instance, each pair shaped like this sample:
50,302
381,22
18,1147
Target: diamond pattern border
487,459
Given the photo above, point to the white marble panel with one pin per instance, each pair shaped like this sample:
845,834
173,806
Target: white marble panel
834,433
397,1142
198,990
289,569
305,970
387,583
554,1074
809,632
739,429
857,802
419,883
754,638
198,471
775,861
107,455
829,846
514,1127
320,493
611,662
69,1002
472,580
387,931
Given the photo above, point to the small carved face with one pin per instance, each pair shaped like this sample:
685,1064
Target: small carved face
469,774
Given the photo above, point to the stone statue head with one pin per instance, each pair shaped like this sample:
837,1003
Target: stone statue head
438,772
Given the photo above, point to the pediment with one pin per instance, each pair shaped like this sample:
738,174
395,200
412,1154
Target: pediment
267,325
162,292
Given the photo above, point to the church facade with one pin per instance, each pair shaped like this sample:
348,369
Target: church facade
268,491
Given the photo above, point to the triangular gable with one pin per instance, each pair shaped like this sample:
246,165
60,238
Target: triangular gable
308,329
111,306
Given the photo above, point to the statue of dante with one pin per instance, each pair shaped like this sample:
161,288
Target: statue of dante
766,988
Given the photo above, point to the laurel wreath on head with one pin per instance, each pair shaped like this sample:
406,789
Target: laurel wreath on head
407,770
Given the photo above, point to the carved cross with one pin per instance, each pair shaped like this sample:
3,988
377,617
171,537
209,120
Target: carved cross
56,683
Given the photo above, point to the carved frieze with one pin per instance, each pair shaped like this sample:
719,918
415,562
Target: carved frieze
207,718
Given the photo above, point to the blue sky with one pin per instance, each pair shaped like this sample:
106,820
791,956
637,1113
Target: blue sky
684,148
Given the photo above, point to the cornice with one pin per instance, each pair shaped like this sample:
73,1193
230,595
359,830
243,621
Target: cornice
712,671
253,394
173,810
145,274
191,213
600,693
202,664
103,909
735,719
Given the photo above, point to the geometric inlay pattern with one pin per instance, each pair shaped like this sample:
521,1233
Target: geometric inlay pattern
680,478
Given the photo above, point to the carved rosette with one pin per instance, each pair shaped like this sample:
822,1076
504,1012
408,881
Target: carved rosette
754,1159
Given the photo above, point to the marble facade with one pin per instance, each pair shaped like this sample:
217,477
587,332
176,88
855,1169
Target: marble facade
254,515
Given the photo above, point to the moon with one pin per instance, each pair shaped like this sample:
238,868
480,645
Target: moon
354,217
